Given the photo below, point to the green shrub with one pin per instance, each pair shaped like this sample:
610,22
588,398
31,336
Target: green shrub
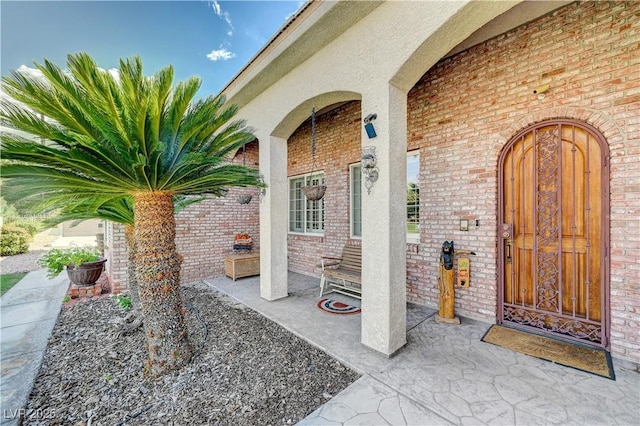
7,211
30,225
123,300
13,240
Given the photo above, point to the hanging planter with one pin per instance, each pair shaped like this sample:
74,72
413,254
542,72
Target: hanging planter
314,192
244,198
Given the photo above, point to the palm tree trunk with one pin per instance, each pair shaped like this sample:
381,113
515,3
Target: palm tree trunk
158,276
133,319
131,267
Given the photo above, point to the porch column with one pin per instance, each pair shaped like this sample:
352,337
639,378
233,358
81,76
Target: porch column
273,219
384,233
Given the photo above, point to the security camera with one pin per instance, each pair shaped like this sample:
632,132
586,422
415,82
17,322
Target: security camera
540,89
370,118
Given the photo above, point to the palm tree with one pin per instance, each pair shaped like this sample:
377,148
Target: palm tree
127,135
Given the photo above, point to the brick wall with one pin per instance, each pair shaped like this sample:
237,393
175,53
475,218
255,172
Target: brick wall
204,231
467,107
115,250
337,146
460,115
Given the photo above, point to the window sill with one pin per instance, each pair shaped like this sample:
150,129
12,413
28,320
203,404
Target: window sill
413,240
304,234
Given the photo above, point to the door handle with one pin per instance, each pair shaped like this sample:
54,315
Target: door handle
508,250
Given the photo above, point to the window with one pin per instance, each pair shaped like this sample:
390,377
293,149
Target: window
413,195
413,198
356,200
305,216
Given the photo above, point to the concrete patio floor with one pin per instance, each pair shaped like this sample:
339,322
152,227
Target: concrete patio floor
445,374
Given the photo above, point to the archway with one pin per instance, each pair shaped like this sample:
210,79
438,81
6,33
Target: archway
554,231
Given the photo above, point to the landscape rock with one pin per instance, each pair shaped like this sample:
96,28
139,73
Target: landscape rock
249,371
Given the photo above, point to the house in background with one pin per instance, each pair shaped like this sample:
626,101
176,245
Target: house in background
520,118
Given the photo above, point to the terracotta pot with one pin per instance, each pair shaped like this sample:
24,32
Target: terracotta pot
87,273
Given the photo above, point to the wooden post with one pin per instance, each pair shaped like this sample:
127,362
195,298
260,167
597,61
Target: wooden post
446,313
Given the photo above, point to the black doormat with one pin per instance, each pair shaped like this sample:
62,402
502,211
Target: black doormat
585,358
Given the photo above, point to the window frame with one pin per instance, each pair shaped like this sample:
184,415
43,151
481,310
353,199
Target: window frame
352,187
411,237
306,211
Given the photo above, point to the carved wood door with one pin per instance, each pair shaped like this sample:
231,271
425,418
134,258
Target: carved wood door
553,231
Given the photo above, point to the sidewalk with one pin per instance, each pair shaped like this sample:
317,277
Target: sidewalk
28,313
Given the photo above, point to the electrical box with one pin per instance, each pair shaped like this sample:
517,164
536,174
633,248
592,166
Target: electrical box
463,272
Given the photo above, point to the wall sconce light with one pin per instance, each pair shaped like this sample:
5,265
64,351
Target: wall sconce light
368,125
369,169
540,91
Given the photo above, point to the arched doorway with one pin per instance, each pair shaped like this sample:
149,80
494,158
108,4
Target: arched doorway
553,231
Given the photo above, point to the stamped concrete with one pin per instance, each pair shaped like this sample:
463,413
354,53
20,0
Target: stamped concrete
445,374
28,313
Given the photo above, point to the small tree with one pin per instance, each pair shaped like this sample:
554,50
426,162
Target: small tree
127,136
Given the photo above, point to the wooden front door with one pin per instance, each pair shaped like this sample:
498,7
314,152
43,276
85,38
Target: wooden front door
553,231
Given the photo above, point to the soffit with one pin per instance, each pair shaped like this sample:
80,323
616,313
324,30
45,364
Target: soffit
318,23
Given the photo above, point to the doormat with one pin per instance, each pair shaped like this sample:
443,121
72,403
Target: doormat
591,360
335,307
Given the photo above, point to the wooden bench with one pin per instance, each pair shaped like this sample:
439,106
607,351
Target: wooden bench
343,274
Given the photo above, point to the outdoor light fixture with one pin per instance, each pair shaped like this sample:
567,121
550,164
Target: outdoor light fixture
369,169
368,125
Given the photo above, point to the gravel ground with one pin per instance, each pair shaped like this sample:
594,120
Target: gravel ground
249,371
19,263
27,262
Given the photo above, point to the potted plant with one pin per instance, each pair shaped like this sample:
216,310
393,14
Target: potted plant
242,241
84,264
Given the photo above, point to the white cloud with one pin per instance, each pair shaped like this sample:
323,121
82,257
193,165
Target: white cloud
216,7
115,73
223,15
221,54
33,72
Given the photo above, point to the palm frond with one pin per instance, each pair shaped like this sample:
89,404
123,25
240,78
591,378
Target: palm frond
119,134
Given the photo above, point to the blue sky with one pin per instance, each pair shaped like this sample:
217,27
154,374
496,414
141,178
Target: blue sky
211,39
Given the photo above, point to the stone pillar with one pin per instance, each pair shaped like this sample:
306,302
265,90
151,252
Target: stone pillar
273,218
384,234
